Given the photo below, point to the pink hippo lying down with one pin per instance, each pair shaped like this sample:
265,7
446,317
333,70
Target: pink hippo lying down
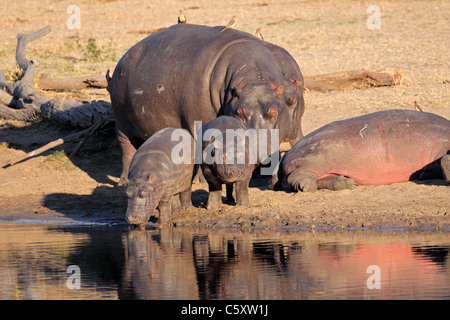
374,149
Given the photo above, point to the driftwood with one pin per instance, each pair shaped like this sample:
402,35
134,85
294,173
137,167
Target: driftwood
19,100
356,79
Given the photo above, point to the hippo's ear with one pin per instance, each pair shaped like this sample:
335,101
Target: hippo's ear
150,180
238,89
298,82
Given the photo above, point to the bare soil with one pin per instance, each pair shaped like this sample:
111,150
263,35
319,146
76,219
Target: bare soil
323,36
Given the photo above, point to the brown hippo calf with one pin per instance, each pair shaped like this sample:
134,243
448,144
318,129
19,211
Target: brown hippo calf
374,149
158,174
227,159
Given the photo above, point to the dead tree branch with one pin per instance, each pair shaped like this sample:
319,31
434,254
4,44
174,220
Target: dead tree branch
85,133
22,42
21,101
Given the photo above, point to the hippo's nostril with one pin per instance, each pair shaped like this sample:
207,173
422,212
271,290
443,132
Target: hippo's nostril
232,173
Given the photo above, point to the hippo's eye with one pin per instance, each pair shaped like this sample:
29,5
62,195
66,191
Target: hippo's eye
143,194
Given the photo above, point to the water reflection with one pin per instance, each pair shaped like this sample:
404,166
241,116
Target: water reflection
119,263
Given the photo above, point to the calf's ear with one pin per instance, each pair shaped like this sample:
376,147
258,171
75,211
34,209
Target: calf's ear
277,90
298,82
150,180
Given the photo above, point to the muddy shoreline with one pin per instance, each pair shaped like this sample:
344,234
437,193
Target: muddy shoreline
322,36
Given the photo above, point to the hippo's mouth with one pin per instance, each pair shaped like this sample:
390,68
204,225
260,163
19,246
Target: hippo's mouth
230,176
138,211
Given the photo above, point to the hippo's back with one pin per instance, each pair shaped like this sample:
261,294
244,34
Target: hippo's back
165,147
163,80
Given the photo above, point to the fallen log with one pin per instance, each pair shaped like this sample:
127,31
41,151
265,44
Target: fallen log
73,83
355,79
345,80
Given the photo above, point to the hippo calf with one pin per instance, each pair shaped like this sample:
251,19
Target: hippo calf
227,160
156,179
374,149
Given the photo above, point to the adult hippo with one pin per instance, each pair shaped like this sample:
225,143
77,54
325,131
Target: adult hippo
293,87
189,73
374,149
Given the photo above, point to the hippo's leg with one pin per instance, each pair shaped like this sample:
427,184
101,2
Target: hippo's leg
165,209
185,197
198,177
242,191
277,180
214,198
128,151
176,204
336,183
230,198
298,180
430,171
445,164
215,189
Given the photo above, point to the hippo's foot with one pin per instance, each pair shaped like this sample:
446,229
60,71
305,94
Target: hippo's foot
214,200
445,164
242,201
176,204
302,182
336,183
277,180
185,199
241,189
165,209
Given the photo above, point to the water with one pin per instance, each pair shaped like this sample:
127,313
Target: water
121,263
